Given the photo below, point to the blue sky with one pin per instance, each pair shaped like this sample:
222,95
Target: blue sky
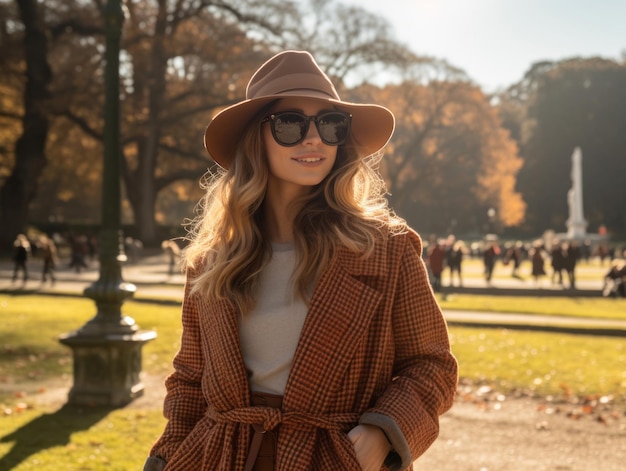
496,41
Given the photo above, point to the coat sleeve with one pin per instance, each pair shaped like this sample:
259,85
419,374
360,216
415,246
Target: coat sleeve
425,371
184,403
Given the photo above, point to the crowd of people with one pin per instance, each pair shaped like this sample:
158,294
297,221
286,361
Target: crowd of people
45,248
555,260
79,251
444,256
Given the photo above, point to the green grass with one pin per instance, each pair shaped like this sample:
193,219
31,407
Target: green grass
29,348
542,363
40,437
83,440
598,308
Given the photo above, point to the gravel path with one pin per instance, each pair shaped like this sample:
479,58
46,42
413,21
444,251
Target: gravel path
527,435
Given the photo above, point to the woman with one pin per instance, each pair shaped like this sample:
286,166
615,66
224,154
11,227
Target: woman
311,337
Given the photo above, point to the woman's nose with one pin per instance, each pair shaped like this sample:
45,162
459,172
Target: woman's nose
312,134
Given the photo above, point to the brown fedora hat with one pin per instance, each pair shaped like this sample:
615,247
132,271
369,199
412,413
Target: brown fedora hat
293,74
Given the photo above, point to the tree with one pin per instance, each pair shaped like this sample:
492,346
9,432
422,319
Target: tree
181,62
171,85
576,102
450,159
20,187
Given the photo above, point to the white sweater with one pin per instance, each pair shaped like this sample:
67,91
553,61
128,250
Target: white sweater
270,333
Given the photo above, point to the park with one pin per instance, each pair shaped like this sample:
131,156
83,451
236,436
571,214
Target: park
108,142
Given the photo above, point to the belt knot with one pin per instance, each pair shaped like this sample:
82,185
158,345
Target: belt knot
267,417
270,417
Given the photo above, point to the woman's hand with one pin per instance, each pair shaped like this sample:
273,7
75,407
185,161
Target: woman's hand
370,445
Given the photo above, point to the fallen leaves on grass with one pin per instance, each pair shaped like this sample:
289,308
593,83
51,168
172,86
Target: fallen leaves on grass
15,408
599,408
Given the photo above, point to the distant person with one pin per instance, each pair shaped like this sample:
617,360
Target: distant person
21,251
557,256
48,252
449,249
571,256
615,280
436,258
172,251
455,261
79,251
92,247
513,256
490,256
538,261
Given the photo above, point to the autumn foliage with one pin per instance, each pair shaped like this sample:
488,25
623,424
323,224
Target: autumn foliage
450,159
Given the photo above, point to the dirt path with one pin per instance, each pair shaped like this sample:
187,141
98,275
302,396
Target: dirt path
525,435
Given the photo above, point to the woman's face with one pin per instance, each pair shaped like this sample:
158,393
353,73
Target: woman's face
303,165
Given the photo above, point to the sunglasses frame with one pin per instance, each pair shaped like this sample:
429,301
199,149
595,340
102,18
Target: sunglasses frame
307,119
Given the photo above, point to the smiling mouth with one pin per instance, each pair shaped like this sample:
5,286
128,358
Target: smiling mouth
309,160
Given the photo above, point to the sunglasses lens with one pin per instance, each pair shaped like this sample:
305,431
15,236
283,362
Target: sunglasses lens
289,128
333,127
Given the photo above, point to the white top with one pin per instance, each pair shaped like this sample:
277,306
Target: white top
269,334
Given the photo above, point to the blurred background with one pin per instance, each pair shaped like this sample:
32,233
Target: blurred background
477,149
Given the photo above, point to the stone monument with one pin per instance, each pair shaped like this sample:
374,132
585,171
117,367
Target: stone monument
576,224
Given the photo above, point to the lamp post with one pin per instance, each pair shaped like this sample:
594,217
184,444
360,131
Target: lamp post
107,349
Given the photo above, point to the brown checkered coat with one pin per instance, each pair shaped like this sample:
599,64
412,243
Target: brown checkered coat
374,344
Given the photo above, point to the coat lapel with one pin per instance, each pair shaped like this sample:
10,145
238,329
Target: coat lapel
341,308
226,372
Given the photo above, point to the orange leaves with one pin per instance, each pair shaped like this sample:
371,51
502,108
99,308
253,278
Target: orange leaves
21,403
450,154
596,408
18,407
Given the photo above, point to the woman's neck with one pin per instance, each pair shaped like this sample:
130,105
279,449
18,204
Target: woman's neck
280,213
279,222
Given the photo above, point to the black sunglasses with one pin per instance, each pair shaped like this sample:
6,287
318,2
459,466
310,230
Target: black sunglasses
290,128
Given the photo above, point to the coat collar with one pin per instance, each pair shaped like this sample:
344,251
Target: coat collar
358,265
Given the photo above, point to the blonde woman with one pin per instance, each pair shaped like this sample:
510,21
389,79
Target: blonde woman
311,336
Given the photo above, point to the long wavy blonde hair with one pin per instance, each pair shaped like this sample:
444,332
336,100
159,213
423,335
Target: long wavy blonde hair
228,243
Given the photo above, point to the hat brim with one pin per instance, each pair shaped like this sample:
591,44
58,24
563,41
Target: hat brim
371,127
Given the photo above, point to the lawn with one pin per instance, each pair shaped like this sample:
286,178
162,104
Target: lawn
34,437
597,308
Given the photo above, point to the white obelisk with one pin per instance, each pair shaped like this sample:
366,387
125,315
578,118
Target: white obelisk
576,224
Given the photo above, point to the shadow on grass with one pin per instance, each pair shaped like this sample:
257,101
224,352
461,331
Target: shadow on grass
48,431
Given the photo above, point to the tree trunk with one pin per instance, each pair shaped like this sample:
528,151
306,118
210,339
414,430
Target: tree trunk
20,187
146,191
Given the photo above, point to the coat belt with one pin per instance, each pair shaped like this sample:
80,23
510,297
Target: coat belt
269,418
265,419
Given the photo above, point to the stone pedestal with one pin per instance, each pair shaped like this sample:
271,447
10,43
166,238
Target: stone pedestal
106,368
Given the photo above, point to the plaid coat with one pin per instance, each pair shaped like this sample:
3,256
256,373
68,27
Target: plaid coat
374,349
